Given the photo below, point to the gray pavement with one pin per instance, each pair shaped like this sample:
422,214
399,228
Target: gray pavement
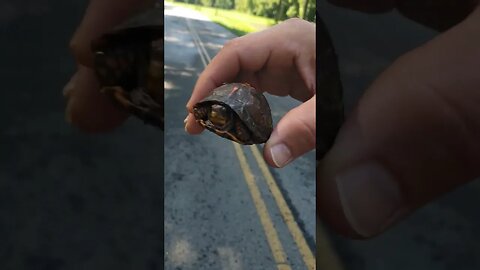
443,235
68,200
211,220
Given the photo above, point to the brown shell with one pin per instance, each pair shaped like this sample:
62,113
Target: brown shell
143,27
135,48
250,107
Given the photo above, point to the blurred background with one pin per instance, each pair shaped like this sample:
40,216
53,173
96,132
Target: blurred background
68,200
442,235
244,16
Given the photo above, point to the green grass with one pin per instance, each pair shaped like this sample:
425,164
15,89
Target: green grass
236,22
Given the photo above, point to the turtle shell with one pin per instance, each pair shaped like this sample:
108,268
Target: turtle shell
129,65
250,107
143,27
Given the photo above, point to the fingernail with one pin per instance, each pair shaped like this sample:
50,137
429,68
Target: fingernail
281,155
185,121
370,197
186,124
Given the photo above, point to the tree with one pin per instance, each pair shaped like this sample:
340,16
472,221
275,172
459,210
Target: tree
280,11
305,9
293,9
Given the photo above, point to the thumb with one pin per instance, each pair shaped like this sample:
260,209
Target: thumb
412,138
293,136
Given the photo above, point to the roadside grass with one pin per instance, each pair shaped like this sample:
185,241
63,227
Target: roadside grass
238,23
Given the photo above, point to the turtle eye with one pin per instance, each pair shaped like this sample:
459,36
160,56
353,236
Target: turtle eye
200,113
100,58
102,69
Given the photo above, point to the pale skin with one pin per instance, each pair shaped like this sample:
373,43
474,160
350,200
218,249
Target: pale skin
412,136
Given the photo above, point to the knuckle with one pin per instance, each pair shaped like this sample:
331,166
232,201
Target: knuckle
295,22
232,43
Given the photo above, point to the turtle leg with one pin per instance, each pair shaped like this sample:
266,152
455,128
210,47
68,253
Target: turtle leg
136,103
147,108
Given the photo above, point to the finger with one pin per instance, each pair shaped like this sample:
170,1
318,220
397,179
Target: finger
413,137
270,62
191,126
101,16
87,108
439,15
225,66
293,136
371,6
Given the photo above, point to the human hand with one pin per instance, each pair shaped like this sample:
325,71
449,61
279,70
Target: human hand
438,14
413,136
87,108
280,61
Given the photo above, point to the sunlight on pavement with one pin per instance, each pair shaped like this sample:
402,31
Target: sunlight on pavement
181,253
229,258
168,85
171,10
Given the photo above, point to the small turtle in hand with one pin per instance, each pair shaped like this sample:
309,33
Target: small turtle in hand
236,111
129,66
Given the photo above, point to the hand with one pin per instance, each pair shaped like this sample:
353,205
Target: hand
87,108
413,136
439,14
280,61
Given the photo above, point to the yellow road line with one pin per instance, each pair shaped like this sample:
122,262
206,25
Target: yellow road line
268,227
327,258
287,215
199,46
270,231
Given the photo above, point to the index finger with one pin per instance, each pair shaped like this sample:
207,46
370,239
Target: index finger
228,63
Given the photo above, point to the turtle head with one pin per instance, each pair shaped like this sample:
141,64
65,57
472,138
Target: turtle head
219,116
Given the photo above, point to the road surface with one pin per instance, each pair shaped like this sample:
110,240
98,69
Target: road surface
443,235
68,200
219,209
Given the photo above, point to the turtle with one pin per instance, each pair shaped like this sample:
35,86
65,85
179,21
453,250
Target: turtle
128,63
236,111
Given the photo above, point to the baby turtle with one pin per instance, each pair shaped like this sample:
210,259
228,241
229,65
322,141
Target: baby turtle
237,112
129,65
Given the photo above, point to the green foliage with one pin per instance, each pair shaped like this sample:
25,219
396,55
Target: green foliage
225,4
293,9
265,8
310,15
274,9
208,3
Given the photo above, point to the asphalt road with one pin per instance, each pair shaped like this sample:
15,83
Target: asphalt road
443,235
68,200
211,218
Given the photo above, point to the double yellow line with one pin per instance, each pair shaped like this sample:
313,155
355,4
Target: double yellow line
265,219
